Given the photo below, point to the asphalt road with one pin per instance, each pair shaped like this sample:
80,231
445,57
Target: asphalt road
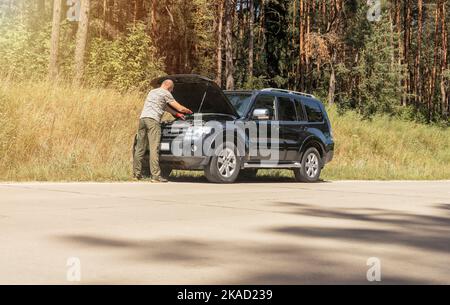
249,233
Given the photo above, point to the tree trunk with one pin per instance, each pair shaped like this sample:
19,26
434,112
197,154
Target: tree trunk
292,76
54,44
220,44
81,41
407,39
41,8
332,87
229,12
153,21
301,47
418,90
444,35
251,39
435,63
139,12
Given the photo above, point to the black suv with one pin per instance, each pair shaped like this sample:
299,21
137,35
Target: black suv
236,133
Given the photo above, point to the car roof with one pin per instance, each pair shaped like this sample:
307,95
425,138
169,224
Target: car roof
240,91
275,92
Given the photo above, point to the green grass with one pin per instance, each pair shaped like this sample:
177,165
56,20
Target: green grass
56,132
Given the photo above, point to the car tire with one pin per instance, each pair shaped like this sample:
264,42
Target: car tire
311,167
224,166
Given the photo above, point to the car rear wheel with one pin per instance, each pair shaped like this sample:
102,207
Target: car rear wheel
311,167
224,167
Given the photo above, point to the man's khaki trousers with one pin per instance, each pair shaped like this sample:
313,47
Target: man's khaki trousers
149,133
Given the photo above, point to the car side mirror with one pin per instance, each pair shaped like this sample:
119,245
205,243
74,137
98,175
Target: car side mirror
261,114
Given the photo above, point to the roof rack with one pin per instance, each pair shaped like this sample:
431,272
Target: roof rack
289,91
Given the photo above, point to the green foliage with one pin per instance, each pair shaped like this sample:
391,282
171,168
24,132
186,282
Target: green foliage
203,35
256,83
129,45
377,71
380,75
128,62
410,113
24,52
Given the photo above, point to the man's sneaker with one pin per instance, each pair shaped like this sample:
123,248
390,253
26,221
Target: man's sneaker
159,180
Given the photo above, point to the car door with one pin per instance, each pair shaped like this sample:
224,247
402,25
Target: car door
291,129
302,125
267,139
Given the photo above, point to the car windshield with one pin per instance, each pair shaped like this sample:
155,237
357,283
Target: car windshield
240,101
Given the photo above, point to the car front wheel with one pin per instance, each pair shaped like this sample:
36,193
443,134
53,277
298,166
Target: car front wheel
311,167
224,166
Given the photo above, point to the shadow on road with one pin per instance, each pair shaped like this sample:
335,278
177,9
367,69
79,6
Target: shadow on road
181,250
327,254
425,232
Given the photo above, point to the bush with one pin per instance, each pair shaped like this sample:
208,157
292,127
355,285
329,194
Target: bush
23,53
128,62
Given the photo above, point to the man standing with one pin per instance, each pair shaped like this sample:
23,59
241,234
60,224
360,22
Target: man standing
158,101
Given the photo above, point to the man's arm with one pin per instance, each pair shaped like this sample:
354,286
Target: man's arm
180,108
173,112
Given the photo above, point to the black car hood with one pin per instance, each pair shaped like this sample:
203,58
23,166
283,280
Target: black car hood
199,94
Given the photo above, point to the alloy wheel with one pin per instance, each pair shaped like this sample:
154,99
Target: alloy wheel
312,165
227,162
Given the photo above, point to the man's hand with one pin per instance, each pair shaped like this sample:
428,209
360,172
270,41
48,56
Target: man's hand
180,116
187,111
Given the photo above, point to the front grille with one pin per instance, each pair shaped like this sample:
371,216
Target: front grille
171,132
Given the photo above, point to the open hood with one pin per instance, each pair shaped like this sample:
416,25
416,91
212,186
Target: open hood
199,94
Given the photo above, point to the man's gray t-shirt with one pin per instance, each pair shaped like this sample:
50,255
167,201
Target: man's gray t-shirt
155,104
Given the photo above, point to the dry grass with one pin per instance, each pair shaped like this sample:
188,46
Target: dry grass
64,133
60,133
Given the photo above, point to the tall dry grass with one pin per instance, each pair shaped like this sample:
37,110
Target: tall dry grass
58,132
55,132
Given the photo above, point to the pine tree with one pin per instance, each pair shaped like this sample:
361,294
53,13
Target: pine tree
81,42
378,76
54,45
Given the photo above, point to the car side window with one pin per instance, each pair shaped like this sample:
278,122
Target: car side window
266,102
300,112
286,109
313,111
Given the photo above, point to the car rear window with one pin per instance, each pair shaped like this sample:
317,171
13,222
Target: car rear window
313,111
286,110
